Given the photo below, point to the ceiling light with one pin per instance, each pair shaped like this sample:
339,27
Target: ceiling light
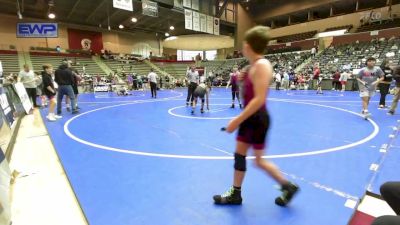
134,20
52,15
121,26
172,28
166,35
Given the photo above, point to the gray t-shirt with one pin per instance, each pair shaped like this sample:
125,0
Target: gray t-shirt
369,76
193,77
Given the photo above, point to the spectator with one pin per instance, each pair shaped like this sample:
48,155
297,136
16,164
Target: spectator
335,81
278,79
64,79
285,81
384,85
390,192
50,91
396,77
343,79
27,77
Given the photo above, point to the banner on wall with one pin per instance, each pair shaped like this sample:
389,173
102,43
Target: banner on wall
195,5
85,40
188,19
187,3
216,26
123,4
150,8
196,21
203,23
37,30
23,96
178,4
210,24
5,106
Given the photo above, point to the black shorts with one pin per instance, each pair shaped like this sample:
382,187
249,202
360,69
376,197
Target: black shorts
235,88
254,130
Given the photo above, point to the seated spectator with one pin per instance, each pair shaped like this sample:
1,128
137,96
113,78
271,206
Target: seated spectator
390,192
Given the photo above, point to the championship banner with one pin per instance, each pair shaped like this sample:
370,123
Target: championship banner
23,96
195,5
210,24
178,4
123,4
5,106
196,21
85,40
188,19
203,23
216,26
150,8
187,3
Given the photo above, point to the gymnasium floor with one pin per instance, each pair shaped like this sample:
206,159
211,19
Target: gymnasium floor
140,161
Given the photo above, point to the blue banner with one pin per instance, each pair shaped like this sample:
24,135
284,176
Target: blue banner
37,30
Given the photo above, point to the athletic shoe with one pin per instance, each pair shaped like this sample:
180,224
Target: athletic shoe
288,191
68,109
57,116
381,106
202,110
75,112
230,197
366,115
51,118
391,113
233,106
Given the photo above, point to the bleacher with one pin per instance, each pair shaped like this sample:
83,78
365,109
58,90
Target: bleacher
9,61
91,68
138,68
177,70
296,37
379,25
353,55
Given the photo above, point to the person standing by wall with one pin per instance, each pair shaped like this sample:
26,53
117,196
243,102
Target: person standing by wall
152,77
27,77
49,91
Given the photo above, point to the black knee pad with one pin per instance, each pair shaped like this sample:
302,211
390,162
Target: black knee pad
240,162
